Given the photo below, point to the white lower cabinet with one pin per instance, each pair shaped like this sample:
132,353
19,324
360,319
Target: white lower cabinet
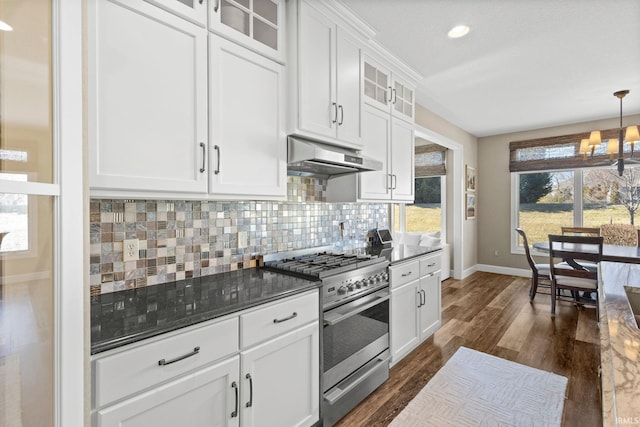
415,308
200,399
201,376
281,380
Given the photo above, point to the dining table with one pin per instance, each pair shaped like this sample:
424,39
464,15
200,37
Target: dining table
612,253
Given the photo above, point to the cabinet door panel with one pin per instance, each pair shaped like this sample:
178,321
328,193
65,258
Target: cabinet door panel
375,185
430,311
202,399
147,98
348,88
404,333
316,73
285,377
402,156
247,122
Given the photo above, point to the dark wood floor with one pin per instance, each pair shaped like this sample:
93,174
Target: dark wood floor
492,313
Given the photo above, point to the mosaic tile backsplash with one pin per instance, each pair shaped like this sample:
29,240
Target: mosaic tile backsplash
183,239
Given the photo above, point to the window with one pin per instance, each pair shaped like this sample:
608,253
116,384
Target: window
547,200
427,213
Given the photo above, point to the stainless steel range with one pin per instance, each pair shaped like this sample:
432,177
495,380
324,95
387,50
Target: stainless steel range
355,315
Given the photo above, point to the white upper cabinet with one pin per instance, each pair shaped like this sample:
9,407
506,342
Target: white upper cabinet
326,101
193,10
147,91
383,89
159,128
256,24
248,143
389,140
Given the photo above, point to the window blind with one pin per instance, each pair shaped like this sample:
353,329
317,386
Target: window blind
559,152
430,160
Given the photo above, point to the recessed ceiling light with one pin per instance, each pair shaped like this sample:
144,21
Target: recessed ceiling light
5,27
458,31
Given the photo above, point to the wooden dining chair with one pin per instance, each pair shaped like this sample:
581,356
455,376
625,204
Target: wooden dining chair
539,272
577,278
619,234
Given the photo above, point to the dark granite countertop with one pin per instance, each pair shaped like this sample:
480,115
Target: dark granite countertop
399,252
124,317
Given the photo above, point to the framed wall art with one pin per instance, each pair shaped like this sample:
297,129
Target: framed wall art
470,178
470,206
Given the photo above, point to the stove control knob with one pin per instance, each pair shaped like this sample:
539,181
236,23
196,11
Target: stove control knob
371,281
358,284
378,278
350,287
342,290
385,276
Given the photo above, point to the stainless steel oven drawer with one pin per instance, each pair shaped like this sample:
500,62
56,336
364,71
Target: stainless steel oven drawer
342,398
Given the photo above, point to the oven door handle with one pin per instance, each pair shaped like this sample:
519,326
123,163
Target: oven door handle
337,315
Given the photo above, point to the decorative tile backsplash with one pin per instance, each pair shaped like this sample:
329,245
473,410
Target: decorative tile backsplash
183,239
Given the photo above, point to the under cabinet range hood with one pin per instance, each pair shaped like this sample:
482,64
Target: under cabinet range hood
311,158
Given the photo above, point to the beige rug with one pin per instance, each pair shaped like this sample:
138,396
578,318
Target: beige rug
477,389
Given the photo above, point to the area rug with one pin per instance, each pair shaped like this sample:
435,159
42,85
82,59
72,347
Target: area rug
477,389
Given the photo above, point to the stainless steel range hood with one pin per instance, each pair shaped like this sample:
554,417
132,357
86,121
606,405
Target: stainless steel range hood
311,158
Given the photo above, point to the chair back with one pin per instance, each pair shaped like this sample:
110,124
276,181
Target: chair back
527,252
580,231
619,234
570,248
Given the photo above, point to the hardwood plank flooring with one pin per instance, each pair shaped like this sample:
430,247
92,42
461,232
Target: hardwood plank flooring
492,313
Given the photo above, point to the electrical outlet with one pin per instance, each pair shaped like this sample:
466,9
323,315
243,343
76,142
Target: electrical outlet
242,239
131,250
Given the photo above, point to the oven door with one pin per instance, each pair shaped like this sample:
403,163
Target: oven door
353,334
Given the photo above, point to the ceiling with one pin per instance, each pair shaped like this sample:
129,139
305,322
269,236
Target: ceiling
524,65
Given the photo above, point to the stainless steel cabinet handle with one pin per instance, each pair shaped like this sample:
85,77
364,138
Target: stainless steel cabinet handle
250,402
395,182
215,8
390,186
390,99
204,156
420,302
235,388
431,265
293,315
423,296
217,148
406,274
395,96
164,362
335,112
341,115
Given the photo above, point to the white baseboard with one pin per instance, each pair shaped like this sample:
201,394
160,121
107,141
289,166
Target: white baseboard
503,270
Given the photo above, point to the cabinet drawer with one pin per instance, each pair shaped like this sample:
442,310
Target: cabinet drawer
129,371
404,273
268,322
430,264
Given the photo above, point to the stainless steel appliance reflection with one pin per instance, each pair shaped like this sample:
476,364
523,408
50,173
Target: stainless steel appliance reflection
355,319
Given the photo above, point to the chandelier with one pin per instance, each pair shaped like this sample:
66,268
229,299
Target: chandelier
614,146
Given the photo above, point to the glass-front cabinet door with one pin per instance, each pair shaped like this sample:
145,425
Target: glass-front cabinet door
383,90
257,24
377,85
402,100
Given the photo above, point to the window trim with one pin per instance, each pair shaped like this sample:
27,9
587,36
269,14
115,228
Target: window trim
516,248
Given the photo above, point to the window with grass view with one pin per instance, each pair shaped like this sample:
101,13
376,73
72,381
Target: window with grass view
547,200
425,214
